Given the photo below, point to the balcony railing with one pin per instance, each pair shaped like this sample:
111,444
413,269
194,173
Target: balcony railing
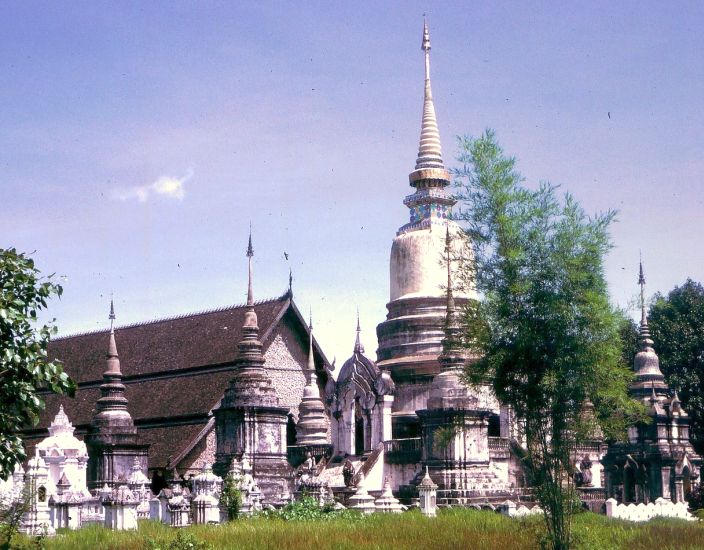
591,493
296,454
402,451
498,443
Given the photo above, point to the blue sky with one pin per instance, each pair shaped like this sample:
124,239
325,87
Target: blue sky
138,141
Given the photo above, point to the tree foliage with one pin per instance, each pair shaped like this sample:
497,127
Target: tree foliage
231,496
677,325
547,335
24,365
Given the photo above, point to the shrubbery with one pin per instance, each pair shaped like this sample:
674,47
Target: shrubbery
308,509
231,496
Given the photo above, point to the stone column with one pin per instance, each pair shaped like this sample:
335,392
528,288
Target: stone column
665,480
388,401
679,490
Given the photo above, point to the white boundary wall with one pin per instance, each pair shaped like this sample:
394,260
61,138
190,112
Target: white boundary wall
643,512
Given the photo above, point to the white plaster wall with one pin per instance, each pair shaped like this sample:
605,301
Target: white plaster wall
417,265
400,474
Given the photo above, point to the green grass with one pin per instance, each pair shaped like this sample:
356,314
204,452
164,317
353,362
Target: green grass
459,528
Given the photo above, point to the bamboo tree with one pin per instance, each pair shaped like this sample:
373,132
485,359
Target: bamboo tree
547,335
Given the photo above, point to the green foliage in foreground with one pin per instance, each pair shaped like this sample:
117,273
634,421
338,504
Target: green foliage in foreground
24,365
545,332
458,528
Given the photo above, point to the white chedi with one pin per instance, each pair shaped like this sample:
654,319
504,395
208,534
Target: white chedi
387,502
139,484
120,506
205,506
362,501
64,454
37,519
427,492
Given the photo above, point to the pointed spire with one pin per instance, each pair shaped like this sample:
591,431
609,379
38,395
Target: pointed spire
111,316
250,253
250,316
311,359
113,360
250,385
641,282
453,357
646,362
358,347
451,322
430,150
312,422
448,256
112,415
645,341
290,283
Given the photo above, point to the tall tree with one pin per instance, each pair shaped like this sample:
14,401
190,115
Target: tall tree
677,326
24,366
548,337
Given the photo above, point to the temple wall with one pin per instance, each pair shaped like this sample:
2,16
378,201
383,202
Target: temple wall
411,397
202,453
401,474
285,362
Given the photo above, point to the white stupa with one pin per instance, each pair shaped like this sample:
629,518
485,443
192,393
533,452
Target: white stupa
64,454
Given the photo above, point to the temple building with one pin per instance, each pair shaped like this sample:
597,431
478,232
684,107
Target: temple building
360,403
175,372
410,339
247,390
658,460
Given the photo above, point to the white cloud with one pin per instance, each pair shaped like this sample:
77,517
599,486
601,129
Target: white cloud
167,186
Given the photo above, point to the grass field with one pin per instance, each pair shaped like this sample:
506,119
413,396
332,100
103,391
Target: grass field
459,528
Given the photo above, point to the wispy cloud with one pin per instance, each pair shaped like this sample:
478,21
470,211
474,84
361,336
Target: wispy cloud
167,186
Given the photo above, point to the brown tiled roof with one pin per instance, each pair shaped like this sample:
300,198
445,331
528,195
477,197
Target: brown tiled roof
175,371
172,344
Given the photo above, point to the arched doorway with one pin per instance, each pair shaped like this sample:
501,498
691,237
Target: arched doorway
290,431
358,429
686,483
494,428
629,484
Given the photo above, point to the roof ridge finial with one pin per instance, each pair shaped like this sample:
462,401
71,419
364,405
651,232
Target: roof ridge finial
290,283
358,347
429,150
